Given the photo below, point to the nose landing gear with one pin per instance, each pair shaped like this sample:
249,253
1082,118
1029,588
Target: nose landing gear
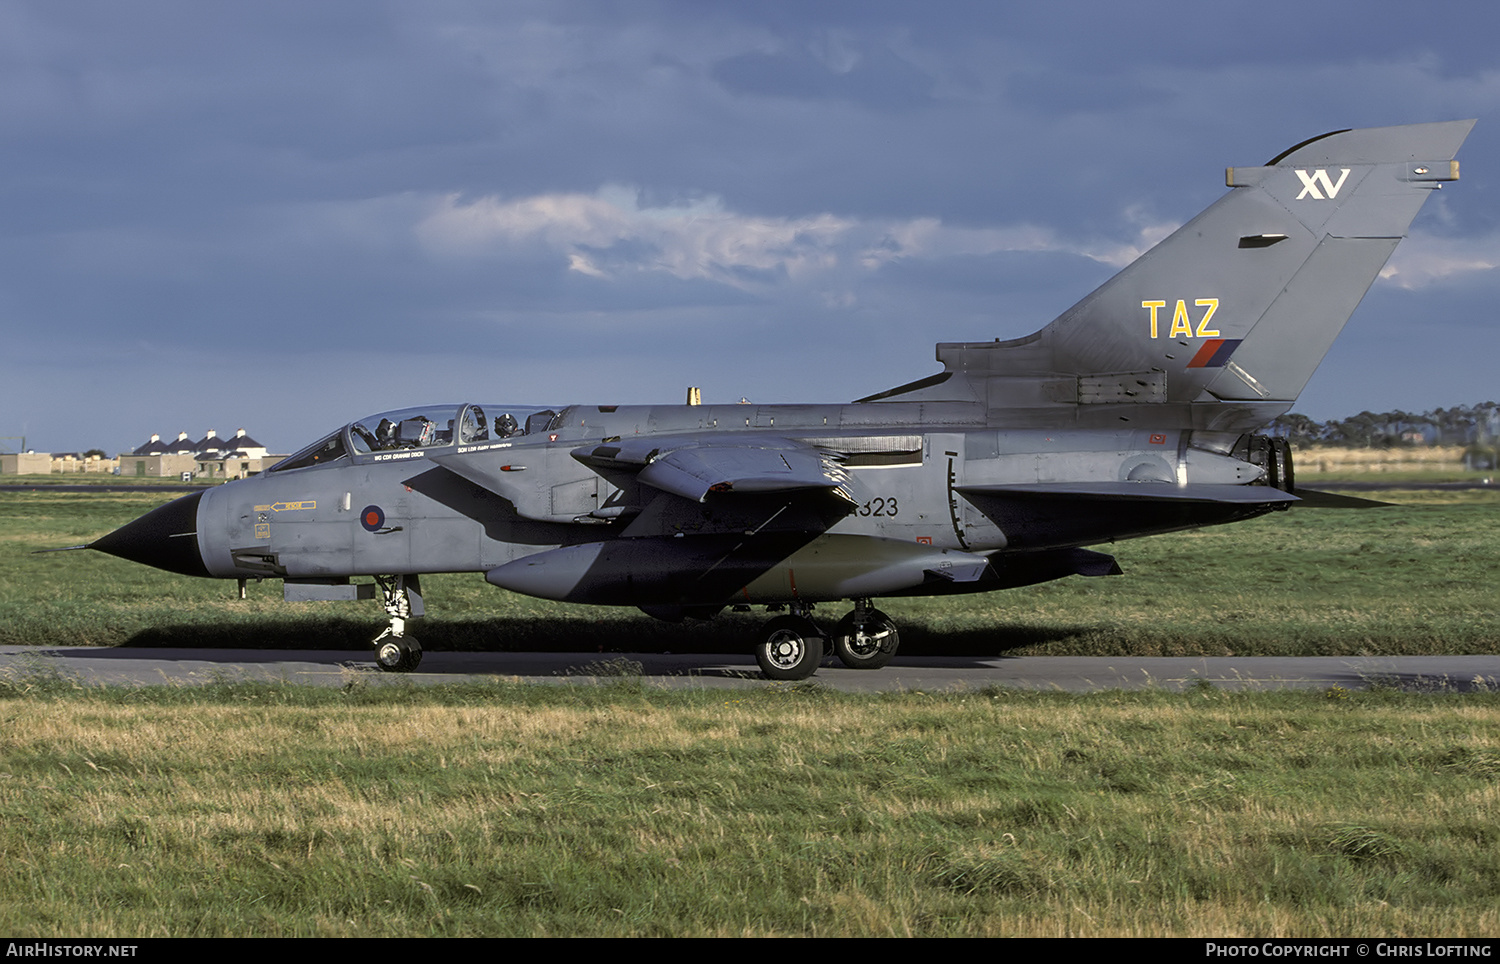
395,651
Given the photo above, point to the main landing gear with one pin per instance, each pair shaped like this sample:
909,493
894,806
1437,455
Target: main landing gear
866,638
791,647
396,652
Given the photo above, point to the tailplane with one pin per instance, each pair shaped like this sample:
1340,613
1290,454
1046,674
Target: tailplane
1227,318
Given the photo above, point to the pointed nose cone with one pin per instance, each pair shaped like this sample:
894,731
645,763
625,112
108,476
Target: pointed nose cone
166,537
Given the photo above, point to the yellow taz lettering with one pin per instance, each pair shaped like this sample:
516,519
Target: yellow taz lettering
1180,323
1212,304
1182,320
1152,306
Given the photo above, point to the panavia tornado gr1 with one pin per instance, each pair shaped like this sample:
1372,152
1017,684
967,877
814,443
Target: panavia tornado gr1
1132,413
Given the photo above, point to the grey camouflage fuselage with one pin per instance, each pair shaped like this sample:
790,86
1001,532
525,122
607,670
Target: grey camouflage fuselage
1132,413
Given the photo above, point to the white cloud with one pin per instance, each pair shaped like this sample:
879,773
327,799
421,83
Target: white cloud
611,235
608,234
1425,260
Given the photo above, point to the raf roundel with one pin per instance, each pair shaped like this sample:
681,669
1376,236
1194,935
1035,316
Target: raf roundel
372,517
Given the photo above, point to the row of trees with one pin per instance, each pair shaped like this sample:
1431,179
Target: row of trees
1464,425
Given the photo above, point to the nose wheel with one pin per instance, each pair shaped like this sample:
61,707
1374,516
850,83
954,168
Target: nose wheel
396,652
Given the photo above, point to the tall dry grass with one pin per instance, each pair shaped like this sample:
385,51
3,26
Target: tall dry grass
621,810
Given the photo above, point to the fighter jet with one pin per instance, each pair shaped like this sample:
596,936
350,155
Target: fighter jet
1134,412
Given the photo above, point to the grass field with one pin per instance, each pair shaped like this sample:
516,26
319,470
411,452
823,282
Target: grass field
1320,465
620,810
1420,578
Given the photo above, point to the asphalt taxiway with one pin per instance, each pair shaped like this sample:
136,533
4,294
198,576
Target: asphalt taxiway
131,666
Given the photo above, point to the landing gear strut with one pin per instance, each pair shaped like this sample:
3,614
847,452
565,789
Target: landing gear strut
396,652
866,638
791,648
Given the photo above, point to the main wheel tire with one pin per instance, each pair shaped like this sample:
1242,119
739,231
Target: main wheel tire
398,654
791,649
867,647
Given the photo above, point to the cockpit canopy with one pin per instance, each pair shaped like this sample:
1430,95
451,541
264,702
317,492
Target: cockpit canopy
416,432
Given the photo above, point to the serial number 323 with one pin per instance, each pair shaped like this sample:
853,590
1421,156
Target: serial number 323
878,507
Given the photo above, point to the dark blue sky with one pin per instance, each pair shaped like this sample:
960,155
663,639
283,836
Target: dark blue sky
283,216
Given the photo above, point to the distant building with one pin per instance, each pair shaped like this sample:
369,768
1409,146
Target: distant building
154,447
64,463
25,463
47,463
210,457
242,446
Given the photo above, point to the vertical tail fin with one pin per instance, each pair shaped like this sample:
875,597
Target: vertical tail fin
1239,305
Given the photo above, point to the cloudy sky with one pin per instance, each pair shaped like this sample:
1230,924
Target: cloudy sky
283,216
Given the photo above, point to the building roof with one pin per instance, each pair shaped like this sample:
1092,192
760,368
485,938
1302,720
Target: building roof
154,446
